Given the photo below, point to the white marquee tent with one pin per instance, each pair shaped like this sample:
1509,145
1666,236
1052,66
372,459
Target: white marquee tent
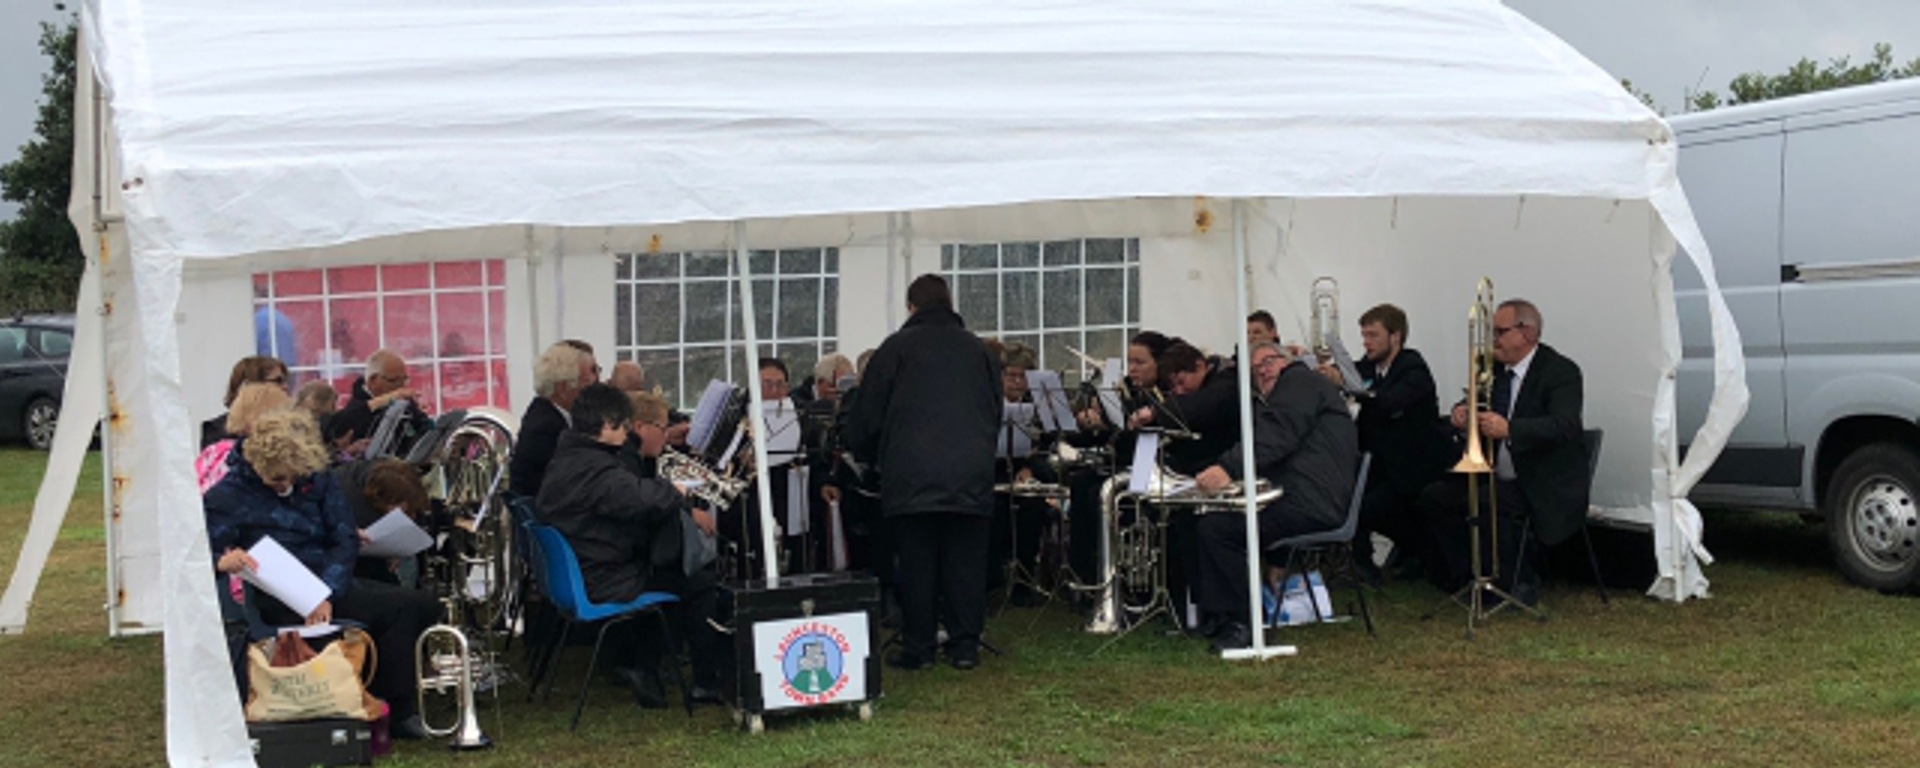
1405,147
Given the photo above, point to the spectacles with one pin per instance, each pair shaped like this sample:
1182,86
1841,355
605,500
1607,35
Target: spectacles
274,380
400,379
1502,330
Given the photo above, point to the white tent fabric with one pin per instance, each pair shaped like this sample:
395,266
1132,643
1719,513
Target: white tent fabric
318,134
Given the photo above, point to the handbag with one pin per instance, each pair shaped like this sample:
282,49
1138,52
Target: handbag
287,680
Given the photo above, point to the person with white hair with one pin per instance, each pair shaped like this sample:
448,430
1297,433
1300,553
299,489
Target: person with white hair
558,376
385,382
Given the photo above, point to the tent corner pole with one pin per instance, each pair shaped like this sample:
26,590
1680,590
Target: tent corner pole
763,485
1251,509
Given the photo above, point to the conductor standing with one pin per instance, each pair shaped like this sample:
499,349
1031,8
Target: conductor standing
927,415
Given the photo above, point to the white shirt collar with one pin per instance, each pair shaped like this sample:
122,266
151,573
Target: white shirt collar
564,416
1520,369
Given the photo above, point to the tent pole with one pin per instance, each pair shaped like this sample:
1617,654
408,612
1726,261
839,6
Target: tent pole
1251,510
532,266
769,555
893,280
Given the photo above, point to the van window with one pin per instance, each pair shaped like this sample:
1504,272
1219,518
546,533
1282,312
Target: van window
1849,193
13,345
56,344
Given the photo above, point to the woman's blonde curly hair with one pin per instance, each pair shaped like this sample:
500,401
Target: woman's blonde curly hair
284,442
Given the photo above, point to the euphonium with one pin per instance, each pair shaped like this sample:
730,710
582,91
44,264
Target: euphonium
1479,376
1326,316
704,483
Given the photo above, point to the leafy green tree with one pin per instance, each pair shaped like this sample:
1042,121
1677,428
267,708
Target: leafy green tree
1808,76
40,258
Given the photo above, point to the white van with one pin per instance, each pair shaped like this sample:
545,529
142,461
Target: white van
1812,208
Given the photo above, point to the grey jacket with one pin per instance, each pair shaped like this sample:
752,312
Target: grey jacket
1304,442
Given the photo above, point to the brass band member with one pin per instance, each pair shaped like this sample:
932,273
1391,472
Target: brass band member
1018,523
1086,526
927,413
1534,425
1399,405
384,382
1206,403
559,375
249,370
1260,328
1304,442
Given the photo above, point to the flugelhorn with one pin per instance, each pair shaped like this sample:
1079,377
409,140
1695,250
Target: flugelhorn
1325,323
1479,377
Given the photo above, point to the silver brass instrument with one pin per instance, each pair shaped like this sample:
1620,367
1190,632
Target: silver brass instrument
474,573
702,482
1326,317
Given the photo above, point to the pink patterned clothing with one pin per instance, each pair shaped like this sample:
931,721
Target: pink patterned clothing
212,464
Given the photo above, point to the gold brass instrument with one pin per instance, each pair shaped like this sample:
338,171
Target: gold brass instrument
1479,377
474,574
1325,323
703,482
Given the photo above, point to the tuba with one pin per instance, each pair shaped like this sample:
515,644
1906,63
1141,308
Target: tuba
702,482
1326,317
1479,377
472,571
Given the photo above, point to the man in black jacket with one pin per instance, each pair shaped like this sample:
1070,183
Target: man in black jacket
384,384
1532,428
927,414
1399,411
1304,443
562,371
1206,403
612,518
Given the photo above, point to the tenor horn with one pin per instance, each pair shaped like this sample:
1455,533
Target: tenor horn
1479,377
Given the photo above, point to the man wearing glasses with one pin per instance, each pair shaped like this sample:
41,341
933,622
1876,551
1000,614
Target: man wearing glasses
1533,427
1304,443
384,383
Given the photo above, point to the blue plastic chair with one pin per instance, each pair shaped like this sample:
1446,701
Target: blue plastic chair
566,591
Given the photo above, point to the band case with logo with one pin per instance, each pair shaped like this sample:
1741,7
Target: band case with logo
309,743
810,643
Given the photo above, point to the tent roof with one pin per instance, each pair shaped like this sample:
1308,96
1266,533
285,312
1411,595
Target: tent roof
277,126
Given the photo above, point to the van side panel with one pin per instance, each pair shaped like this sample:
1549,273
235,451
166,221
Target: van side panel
1852,236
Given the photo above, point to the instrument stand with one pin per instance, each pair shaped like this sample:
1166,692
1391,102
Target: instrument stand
1473,596
1161,602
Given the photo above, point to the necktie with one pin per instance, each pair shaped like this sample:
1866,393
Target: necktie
1503,392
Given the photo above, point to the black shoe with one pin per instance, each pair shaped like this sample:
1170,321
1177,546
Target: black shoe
1368,573
966,662
1233,636
703,695
1210,626
648,692
410,728
908,660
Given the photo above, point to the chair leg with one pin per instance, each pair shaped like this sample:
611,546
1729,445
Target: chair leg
1593,560
1360,591
553,660
1312,561
586,681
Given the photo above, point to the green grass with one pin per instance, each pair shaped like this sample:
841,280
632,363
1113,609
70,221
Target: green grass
1785,665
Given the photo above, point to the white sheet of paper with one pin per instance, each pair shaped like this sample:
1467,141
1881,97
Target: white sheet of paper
283,576
1013,441
726,459
1146,459
799,519
311,631
782,428
1110,378
1343,362
1050,394
395,535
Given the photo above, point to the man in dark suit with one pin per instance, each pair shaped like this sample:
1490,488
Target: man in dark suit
1532,428
1399,407
562,371
927,414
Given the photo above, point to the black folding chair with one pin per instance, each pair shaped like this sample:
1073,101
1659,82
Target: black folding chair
1331,552
1592,438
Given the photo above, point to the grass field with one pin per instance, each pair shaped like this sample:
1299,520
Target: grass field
1785,665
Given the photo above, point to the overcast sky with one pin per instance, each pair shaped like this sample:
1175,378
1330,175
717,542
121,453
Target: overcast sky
1664,46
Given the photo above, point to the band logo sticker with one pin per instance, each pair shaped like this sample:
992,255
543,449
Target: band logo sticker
814,661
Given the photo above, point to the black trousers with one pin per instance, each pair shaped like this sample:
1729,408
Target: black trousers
1183,559
1221,583
1444,504
1086,526
1395,513
636,642
394,617
943,557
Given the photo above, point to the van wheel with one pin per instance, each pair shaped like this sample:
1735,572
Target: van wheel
1873,517
40,419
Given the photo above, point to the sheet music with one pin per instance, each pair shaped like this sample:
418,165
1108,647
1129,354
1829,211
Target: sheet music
1014,442
1146,462
1343,362
708,414
1111,376
726,459
283,576
382,444
395,535
799,519
781,425
1056,415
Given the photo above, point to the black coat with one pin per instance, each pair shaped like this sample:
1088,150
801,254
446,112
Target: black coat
1305,443
1212,411
360,420
927,415
1397,417
1544,437
540,430
611,517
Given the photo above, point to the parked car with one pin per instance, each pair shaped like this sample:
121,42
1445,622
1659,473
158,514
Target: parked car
1809,206
33,376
